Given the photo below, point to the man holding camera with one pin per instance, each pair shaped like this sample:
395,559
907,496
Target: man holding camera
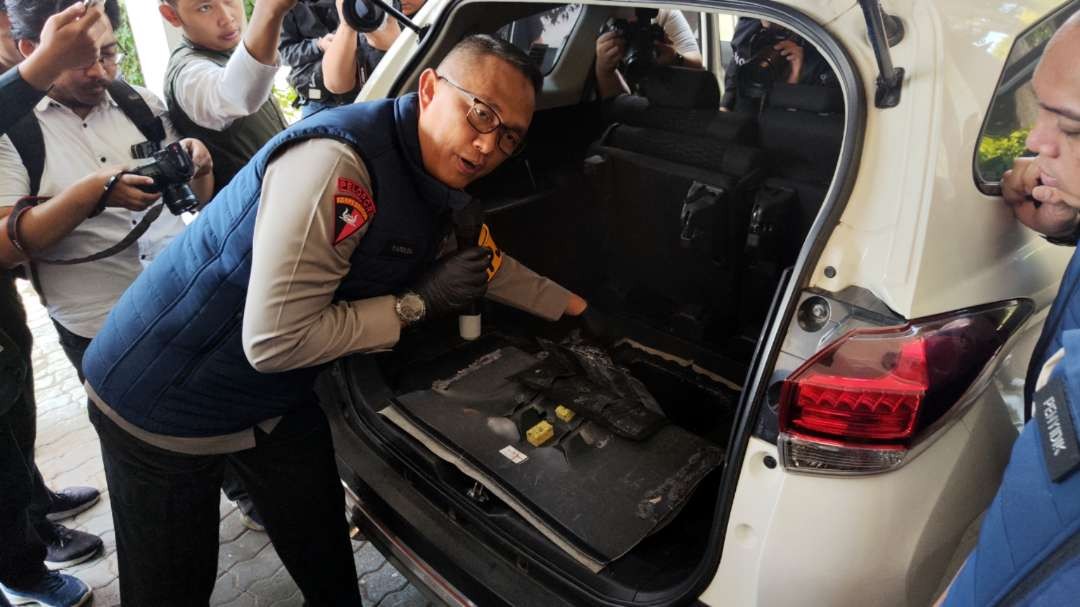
53,156
679,47
331,61
352,55
211,356
70,155
760,40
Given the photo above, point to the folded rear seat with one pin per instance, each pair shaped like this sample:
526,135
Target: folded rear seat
675,183
801,129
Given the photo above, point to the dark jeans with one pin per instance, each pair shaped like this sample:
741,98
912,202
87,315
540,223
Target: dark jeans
74,347
165,512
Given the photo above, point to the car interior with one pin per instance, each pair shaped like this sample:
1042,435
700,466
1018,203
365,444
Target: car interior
674,218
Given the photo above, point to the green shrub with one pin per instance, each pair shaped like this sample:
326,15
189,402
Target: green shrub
996,154
130,67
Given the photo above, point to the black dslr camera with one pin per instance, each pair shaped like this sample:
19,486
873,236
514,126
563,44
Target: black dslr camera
641,37
767,66
171,169
366,16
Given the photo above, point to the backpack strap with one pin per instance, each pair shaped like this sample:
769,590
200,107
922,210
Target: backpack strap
137,110
29,142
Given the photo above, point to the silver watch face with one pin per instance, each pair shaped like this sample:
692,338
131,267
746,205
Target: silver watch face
410,307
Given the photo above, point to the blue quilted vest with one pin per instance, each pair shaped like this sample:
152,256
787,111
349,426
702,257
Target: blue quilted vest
1029,544
1064,316
170,359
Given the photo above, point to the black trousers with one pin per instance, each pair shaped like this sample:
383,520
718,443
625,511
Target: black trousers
22,552
75,346
165,512
23,497
21,422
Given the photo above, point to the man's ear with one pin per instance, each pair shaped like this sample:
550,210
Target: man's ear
168,13
26,47
427,87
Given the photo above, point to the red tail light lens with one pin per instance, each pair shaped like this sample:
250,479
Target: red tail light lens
875,390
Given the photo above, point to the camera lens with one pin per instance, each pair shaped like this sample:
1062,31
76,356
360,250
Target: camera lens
762,71
179,198
362,15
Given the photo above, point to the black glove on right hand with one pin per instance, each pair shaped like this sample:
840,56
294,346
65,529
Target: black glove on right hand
456,280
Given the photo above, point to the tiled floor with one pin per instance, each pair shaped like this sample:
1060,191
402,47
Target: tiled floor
250,573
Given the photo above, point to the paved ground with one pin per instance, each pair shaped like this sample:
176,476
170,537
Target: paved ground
250,573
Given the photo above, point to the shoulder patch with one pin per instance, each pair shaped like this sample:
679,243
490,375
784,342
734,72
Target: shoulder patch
353,207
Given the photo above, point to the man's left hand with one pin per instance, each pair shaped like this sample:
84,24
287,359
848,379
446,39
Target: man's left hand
665,51
324,42
200,156
597,327
794,54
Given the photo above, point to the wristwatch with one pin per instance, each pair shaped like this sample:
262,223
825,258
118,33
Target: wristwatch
679,59
410,308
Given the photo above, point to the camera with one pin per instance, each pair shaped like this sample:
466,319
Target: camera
171,169
767,66
364,15
641,37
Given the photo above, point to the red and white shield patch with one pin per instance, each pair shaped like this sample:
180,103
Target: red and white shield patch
353,207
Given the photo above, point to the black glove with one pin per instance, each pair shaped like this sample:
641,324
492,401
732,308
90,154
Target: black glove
456,280
597,327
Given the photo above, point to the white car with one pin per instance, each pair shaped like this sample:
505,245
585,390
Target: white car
828,306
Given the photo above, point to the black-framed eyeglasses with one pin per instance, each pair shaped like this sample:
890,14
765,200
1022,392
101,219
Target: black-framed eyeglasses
484,119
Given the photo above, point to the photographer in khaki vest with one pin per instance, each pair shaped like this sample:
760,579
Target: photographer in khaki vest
219,80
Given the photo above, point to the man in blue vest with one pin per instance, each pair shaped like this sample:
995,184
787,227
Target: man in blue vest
1028,551
327,243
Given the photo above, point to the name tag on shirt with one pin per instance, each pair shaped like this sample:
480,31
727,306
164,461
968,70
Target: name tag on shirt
399,248
1057,432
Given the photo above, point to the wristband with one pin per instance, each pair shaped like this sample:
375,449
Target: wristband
23,205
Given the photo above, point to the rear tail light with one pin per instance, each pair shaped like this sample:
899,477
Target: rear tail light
859,404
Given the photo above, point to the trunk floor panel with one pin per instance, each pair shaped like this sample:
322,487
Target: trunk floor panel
593,493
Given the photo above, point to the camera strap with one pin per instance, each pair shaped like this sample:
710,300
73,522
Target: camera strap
31,201
29,142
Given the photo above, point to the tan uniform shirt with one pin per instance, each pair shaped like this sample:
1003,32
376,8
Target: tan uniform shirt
291,319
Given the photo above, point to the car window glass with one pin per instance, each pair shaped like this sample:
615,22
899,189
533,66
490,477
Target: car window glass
1013,107
543,35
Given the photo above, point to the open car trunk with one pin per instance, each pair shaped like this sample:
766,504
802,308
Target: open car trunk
676,223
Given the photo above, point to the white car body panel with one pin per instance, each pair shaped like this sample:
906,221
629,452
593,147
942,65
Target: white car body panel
918,234
959,247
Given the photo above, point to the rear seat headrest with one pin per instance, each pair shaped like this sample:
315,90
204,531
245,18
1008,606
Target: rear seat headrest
808,98
681,87
639,111
706,153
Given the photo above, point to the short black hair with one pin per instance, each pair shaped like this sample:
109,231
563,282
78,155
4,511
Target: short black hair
481,45
28,16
